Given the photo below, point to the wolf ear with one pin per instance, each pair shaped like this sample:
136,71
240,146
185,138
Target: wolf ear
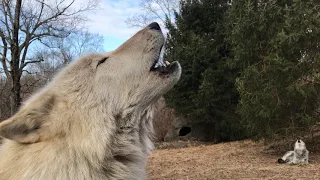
27,125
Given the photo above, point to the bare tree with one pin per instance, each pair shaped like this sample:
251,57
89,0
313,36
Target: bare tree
36,75
76,44
154,10
27,22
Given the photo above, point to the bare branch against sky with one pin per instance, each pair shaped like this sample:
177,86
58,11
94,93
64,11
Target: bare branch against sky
22,23
153,10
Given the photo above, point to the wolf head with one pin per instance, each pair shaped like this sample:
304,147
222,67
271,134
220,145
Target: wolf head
130,77
137,70
300,147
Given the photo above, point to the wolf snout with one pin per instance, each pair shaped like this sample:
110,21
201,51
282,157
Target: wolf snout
154,26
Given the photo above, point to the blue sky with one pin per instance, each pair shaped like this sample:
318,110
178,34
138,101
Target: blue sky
109,21
112,42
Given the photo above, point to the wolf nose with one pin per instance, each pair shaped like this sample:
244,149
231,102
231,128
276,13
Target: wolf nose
155,26
298,141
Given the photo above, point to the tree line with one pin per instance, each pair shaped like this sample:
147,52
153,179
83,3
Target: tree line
250,67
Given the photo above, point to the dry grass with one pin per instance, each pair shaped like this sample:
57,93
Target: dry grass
235,160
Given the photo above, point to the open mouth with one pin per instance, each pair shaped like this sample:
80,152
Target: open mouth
163,67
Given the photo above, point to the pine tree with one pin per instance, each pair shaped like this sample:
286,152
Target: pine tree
276,46
206,91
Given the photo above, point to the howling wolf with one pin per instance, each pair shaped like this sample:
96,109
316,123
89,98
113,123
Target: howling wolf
300,154
94,120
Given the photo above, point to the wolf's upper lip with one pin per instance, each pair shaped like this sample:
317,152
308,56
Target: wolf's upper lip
158,60
158,64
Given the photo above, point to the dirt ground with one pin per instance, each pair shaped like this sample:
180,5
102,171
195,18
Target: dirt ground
235,160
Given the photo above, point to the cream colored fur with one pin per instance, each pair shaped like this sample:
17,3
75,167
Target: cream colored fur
93,121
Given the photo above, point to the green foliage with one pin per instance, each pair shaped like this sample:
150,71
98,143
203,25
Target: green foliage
276,46
206,91
249,64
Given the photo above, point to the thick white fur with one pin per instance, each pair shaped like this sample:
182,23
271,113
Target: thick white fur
299,156
93,121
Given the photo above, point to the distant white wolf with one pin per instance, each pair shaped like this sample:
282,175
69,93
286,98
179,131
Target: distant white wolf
94,120
300,154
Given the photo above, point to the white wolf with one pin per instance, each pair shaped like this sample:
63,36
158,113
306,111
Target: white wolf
300,154
93,121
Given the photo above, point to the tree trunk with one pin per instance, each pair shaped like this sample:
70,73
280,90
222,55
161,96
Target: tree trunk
15,97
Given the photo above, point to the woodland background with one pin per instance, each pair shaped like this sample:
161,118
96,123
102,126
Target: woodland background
250,67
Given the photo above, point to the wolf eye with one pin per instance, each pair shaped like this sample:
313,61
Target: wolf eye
102,61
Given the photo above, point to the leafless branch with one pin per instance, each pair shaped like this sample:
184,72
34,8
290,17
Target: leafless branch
28,72
4,54
22,22
153,10
7,12
29,62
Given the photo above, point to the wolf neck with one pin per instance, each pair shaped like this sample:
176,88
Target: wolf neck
136,126
127,138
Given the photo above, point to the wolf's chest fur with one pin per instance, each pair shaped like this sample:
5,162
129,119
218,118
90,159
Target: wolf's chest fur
125,158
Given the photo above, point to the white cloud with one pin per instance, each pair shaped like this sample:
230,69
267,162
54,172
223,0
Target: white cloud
109,20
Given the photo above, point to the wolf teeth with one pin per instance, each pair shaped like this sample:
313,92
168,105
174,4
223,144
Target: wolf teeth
160,64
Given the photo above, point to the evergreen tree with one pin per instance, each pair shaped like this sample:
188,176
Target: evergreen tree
206,91
276,45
